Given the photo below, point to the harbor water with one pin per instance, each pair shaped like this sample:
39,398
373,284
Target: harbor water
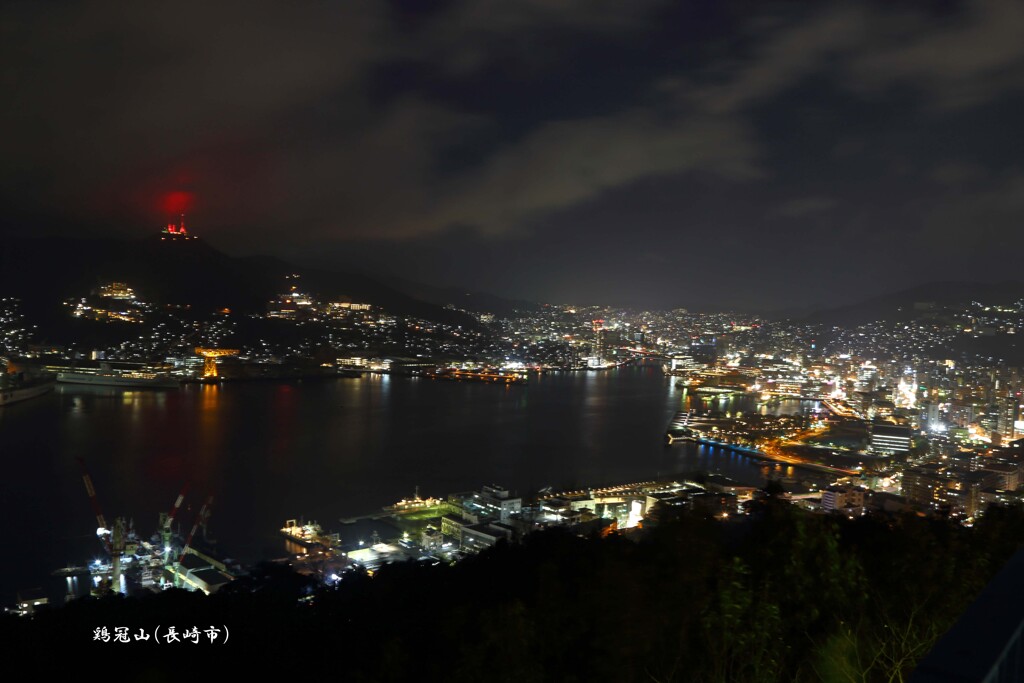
319,450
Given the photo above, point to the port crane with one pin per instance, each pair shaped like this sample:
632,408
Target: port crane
210,357
167,519
101,521
117,540
200,519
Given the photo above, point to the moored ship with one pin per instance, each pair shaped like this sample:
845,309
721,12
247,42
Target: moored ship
309,535
107,375
12,391
414,504
495,377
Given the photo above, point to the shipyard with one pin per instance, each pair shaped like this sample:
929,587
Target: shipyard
432,530
427,530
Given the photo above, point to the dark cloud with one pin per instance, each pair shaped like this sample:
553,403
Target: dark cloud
565,163
956,175
789,53
478,130
981,223
794,208
968,59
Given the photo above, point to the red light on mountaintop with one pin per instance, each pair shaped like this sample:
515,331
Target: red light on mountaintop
177,202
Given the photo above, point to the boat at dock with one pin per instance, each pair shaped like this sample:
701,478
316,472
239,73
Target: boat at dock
413,504
106,375
16,388
309,535
470,376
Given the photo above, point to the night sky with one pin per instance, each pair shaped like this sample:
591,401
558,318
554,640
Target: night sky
698,153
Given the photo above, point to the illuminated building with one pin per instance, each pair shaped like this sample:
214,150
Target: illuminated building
452,526
476,537
905,393
866,377
930,417
116,290
431,539
110,301
1010,424
925,485
1008,476
685,364
881,408
889,439
704,353
488,504
839,498
788,387
342,307
938,486
497,502
599,341
291,306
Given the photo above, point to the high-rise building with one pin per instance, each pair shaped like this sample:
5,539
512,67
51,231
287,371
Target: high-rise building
704,353
925,485
888,439
1010,416
928,417
599,340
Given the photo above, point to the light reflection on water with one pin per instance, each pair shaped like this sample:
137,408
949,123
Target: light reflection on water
745,404
322,450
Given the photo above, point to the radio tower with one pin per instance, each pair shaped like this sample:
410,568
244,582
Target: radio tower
176,231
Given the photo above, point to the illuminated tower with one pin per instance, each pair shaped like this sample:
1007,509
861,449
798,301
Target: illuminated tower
176,231
599,340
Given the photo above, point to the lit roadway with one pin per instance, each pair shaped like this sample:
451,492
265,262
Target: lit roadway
773,450
772,453
840,410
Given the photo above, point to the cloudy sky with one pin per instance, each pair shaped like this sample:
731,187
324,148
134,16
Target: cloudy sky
705,153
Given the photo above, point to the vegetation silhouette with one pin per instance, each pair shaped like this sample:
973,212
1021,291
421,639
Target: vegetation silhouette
778,595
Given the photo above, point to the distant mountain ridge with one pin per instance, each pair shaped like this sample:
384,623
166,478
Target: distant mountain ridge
465,299
43,272
901,305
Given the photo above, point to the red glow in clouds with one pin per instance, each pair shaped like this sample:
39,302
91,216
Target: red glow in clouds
177,202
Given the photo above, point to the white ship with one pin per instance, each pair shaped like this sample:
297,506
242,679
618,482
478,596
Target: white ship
113,378
11,393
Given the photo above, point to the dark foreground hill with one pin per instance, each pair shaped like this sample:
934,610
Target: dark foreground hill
781,596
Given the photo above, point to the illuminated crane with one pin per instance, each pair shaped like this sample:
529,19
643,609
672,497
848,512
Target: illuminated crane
166,520
101,522
211,356
117,540
200,518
